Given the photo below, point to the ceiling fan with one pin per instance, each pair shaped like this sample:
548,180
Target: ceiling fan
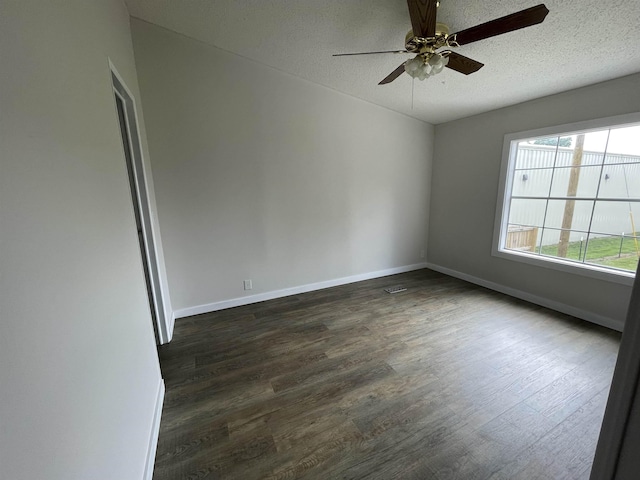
431,41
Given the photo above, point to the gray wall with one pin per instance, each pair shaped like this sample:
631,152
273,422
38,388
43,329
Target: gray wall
466,170
261,175
79,370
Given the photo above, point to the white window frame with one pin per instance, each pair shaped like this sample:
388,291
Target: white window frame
504,195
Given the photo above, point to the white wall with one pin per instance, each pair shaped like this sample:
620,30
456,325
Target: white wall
465,177
261,175
79,371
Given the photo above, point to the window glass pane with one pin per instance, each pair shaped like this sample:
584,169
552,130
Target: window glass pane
615,251
585,181
537,153
524,239
561,215
527,212
532,183
620,181
594,146
624,145
616,217
569,246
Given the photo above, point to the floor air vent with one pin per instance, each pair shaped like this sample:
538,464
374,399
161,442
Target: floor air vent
396,289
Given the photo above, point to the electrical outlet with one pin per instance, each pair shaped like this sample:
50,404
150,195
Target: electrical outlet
422,253
248,285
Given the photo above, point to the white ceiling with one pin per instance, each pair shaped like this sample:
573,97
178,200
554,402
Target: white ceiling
581,42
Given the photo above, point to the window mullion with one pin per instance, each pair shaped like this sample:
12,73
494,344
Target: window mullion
546,207
593,208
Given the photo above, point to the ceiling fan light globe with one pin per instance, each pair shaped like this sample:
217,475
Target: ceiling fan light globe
435,59
413,65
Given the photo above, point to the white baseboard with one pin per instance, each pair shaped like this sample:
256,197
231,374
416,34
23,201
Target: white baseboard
155,432
237,302
545,302
172,324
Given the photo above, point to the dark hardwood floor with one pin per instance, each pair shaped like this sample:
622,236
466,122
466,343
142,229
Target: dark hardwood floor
446,380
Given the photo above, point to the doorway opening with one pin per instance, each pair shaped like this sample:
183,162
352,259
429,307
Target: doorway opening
128,124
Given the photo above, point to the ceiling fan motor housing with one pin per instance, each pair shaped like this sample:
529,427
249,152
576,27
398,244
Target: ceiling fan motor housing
428,44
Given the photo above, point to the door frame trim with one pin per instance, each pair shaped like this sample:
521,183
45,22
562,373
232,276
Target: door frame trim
162,327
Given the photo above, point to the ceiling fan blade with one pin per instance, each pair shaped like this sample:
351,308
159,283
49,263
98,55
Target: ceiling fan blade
463,64
423,17
369,53
509,23
393,75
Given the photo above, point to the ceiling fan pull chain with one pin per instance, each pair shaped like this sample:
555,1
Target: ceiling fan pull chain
413,86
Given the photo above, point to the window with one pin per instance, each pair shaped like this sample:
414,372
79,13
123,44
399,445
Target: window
570,198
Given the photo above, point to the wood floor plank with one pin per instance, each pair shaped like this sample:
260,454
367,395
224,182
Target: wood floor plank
445,380
566,451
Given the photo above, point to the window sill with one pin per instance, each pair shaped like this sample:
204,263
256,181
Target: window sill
620,277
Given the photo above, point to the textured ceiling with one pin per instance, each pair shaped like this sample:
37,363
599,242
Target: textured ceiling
581,42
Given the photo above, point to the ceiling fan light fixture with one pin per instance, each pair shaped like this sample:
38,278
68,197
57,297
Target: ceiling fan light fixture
413,66
438,61
426,65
